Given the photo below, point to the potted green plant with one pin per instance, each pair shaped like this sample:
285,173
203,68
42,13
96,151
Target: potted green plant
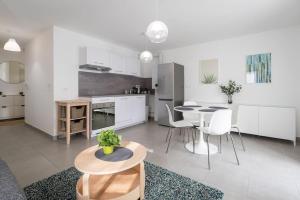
108,139
230,89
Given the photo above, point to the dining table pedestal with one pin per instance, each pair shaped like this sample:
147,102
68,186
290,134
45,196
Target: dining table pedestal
200,144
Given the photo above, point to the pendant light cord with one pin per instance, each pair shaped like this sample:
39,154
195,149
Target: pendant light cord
156,10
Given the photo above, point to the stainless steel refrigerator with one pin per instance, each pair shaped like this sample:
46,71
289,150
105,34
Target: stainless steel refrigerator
170,90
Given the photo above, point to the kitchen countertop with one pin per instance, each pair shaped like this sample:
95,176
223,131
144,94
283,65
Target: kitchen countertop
114,95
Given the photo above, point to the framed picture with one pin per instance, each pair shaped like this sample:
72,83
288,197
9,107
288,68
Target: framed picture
259,68
209,71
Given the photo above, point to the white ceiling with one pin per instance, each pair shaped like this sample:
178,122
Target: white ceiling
123,21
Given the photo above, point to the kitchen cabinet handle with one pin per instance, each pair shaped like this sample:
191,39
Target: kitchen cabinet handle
4,106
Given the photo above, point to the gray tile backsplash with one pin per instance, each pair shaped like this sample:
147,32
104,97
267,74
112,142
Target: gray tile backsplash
93,84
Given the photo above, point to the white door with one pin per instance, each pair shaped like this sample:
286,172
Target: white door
132,66
117,63
139,109
19,100
19,111
97,56
278,122
6,100
248,119
122,112
6,112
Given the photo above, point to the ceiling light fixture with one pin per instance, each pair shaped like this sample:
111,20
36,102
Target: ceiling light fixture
146,56
157,31
12,45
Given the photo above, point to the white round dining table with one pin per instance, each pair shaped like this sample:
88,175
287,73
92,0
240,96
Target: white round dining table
200,145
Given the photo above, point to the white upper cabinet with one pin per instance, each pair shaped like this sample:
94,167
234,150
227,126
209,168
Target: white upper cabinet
132,66
117,63
94,56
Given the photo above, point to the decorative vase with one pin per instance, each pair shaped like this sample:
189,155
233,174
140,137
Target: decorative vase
229,99
108,149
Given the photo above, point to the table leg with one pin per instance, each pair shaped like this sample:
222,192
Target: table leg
85,186
200,145
142,181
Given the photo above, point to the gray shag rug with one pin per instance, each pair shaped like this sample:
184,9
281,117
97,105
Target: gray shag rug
161,184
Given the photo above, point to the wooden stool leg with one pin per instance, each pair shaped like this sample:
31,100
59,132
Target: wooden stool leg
88,121
68,130
142,181
85,186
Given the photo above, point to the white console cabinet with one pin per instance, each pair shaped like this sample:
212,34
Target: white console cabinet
275,122
11,106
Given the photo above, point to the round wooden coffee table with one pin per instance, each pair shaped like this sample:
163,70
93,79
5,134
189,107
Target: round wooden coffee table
121,180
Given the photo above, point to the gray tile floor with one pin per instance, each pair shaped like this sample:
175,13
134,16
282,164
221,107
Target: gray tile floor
270,169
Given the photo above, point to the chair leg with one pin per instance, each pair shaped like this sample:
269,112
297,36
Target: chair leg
171,134
237,159
241,138
188,134
193,138
183,135
168,134
227,137
208,159
220,147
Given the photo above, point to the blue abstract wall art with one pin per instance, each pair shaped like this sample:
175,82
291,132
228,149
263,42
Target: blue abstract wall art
259,68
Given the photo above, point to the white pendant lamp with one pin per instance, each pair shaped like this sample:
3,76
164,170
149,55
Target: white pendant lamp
12,45
157,32
146,56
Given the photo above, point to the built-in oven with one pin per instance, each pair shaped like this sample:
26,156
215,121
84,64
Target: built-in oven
103,114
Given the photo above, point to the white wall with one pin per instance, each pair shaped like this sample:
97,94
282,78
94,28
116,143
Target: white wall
5,88
284,90
39,82
66,61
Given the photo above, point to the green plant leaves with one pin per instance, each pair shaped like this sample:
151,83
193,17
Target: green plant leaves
209,79
231,88
108,138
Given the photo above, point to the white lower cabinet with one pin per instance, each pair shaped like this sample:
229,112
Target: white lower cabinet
138,109
248,119
275,122
129,110
11,106
122,112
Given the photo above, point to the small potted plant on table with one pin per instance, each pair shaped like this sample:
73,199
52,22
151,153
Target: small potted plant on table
230,89
108,139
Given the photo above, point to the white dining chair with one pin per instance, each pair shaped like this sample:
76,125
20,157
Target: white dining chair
220,124
236,127
191,117
174,125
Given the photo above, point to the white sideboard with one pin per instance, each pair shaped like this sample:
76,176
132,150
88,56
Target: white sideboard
275,122
11,106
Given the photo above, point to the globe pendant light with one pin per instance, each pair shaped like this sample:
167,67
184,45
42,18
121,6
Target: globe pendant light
12,45
157,31
146,56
